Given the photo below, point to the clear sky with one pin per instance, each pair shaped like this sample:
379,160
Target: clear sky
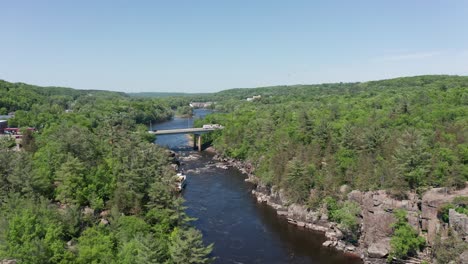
205,46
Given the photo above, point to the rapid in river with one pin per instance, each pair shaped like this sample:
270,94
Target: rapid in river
228,215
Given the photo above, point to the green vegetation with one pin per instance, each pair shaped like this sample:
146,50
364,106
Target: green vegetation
400,134
449,249
460,204
345,213
405,240
89,186
185,111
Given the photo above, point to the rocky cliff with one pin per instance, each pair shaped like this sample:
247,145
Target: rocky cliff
376,217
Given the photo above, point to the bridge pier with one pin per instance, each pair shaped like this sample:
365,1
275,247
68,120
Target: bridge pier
197,141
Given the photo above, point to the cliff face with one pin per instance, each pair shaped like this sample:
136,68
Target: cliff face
459,223
376,218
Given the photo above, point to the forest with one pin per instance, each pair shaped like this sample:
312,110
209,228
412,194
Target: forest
89,185
398,135
314,141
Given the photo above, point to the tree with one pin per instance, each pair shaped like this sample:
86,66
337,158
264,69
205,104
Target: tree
413,158
31,232
143,249
95,245
186,246
71,181
298,182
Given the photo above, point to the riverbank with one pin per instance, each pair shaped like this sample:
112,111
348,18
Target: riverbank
245,230
295,214
375,219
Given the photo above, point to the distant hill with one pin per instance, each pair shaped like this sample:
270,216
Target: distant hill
306,92
158,94
22,96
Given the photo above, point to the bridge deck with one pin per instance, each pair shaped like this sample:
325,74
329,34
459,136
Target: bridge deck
183,131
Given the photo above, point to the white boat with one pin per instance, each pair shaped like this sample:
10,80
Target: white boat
180,181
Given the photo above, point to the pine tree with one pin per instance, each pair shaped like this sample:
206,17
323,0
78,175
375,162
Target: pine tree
186,247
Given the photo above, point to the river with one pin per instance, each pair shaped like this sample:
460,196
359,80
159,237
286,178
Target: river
242,230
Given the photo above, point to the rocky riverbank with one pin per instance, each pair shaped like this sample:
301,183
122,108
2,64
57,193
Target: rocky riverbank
375,219
296,214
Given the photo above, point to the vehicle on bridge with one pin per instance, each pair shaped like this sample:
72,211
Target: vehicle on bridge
212,126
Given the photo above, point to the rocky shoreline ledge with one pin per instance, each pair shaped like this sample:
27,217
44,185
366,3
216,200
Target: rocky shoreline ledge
375,220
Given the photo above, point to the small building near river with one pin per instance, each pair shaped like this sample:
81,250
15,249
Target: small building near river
3,125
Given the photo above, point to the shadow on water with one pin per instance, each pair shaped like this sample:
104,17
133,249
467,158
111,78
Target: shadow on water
228,215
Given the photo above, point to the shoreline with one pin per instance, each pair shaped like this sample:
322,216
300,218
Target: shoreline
375,219
295,214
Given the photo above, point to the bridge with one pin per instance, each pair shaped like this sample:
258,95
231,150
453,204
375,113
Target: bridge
183,131
197,133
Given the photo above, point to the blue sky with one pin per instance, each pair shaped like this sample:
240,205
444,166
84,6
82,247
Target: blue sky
205,46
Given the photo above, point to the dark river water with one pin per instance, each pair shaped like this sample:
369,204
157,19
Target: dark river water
242,230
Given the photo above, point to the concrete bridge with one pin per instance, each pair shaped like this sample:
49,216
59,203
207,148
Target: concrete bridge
197,133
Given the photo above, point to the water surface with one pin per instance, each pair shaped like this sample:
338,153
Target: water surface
242,230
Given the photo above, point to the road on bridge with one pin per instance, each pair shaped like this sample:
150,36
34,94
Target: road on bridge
183,131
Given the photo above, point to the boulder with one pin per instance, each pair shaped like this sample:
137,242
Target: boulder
464,257
88,211
338,233
379,249
330,235
8,261
350,248
459,223
327,243
105,213
340,245
301,213
282,213
344,189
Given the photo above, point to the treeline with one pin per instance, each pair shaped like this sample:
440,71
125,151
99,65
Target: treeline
400,134
36,106
89,186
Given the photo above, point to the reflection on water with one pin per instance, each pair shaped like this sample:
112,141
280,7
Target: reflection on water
228,215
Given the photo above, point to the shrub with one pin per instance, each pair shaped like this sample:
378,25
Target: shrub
405,240
449,249
443,212
345,214
460,204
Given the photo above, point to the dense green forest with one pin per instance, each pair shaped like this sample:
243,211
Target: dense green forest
90,186
399,134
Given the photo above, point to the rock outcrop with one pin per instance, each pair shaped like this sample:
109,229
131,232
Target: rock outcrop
376,217
464,257
377,209
8,261
459,223
379,249
431,202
